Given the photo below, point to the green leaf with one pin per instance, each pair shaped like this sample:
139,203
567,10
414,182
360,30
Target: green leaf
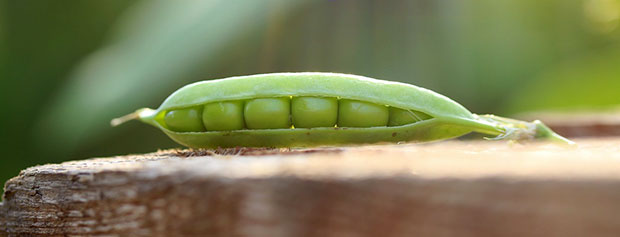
587,82
157,45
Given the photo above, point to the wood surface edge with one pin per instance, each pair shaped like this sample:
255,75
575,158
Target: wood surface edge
400,204
2,220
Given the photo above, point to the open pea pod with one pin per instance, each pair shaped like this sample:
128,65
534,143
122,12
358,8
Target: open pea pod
435,117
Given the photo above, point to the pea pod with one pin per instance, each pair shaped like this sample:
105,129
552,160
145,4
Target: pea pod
433,116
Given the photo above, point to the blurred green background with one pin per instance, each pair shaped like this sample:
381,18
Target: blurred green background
68,67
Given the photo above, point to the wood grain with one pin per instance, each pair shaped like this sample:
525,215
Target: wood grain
442,189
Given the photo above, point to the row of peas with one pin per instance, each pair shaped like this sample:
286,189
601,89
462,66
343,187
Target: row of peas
287,112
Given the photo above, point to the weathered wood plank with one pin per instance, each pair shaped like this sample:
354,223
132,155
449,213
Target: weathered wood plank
450,188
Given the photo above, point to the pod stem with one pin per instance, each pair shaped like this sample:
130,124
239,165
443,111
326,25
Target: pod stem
138,114
521,130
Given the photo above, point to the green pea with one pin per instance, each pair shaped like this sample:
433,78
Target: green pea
268,113
353,113
185,120
400,117
362,113
223,116
314,112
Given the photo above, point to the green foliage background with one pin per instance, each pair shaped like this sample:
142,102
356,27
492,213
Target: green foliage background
68,67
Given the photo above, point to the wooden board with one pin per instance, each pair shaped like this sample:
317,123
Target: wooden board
442,189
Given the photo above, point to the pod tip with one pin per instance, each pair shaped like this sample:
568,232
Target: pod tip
120,120
139,114
542,131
